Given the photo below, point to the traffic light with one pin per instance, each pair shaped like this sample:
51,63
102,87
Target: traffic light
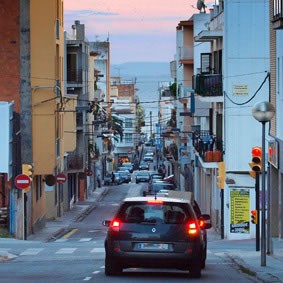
27,169
254,216
221,175
256,163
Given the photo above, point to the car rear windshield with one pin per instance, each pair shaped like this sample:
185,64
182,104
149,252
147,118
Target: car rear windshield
156,187
153,212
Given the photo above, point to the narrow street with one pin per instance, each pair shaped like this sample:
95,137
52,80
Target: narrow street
78,256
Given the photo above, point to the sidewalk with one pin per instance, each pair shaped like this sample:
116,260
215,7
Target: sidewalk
54,229
240,252
244,255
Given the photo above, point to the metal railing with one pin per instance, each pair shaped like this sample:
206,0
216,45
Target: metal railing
208,85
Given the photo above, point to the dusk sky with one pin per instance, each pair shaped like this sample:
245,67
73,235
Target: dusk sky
139,31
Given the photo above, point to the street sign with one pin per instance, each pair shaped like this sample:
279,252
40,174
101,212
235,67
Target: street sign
61,178
22,181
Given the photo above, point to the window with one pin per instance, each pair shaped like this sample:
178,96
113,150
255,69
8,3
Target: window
128,123
128,138
205,63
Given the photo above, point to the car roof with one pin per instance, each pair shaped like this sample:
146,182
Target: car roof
150,198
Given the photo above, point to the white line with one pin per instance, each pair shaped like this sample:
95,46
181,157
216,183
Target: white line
31,251
61,240
96,272
87,278
66,251
85,239
97,250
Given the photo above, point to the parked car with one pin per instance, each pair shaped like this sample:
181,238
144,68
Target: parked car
143,166
142,176
118,178
125,175
154,232
107,180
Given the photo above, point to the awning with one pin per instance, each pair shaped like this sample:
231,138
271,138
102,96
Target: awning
208,35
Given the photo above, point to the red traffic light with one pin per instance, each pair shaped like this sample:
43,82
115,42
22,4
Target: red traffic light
253,212
256,151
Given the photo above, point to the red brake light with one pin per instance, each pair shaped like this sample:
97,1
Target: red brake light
156,201
115,225
192,228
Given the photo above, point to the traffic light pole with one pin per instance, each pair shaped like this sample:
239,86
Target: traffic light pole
263,227
257,234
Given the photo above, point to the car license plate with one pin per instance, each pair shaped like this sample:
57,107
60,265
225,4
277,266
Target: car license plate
151,246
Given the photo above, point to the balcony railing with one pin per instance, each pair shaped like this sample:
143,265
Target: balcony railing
186,53
208,85
277,21
208,146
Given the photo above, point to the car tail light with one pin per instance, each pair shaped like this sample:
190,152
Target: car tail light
192,228
155,201
115,225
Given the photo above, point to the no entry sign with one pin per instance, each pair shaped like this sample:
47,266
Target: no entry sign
61,178
22,181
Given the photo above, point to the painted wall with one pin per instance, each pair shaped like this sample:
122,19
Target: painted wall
245,62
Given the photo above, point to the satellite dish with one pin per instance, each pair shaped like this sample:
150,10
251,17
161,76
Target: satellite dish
201,5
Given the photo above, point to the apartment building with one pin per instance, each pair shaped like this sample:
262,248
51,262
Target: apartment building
233,79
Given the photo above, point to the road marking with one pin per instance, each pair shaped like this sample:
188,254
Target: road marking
96,272
97,250
66,251
87,278
61,240
73,231
85,239
32,251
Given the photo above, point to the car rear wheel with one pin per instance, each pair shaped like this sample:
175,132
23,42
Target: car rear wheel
195,269
112,267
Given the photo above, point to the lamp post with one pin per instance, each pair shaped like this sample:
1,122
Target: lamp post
263,112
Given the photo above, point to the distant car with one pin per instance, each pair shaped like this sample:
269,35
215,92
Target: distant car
125,175
142,176
144,166
157,186
155,232
128,165
148,158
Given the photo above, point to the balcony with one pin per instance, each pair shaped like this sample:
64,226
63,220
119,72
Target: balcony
209,85
74,76
277,21
75,161
208,147
186,55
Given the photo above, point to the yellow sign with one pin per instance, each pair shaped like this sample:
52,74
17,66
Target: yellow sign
240,211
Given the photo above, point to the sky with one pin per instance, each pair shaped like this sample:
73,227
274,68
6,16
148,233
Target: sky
138,31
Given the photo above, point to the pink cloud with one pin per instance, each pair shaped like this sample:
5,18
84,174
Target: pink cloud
122,18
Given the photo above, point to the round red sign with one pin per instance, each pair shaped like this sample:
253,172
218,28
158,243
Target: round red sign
61,178
22,181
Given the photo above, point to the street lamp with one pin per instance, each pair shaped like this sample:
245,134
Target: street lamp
263,112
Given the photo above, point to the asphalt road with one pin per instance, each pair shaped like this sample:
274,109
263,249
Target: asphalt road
79,255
